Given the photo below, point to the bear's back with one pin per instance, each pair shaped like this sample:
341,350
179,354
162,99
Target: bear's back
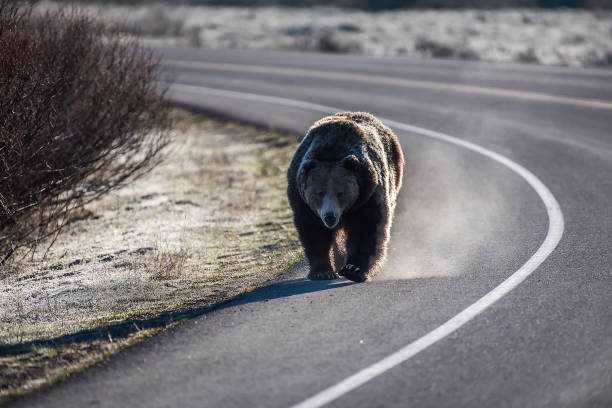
333,138
358,133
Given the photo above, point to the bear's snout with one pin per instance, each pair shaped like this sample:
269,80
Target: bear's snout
330,220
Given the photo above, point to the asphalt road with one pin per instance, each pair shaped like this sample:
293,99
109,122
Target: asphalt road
465,222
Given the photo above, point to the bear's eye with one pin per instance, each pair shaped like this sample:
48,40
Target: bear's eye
320,194
340,195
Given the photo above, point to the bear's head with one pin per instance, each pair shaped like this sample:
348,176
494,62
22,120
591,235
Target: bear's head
329,188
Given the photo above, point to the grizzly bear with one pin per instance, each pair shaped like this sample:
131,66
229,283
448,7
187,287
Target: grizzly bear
343,183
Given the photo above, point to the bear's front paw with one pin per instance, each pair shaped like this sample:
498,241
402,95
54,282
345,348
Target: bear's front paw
352,272
323,275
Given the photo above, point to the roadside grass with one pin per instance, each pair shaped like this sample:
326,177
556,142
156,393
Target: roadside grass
208,224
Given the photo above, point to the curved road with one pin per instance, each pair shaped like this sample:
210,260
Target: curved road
465,223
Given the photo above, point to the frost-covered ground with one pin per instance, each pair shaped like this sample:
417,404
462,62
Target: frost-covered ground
211,218
554,37
209,223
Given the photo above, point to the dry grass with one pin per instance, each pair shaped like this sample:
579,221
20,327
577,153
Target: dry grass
208,224
166,265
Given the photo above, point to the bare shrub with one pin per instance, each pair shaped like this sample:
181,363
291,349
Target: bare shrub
321,39
328,41
528,56
436,49
433,48
79,115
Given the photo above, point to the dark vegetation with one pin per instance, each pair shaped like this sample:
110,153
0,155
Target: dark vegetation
378,5
79,115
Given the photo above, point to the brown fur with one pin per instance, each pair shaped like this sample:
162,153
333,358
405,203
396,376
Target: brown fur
339,152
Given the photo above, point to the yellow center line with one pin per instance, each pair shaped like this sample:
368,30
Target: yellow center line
383,80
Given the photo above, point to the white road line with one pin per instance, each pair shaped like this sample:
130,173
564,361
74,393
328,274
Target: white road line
553,236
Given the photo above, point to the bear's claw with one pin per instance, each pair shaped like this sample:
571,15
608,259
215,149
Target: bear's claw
350,271
323,275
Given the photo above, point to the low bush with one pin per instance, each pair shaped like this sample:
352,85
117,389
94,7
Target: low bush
80,114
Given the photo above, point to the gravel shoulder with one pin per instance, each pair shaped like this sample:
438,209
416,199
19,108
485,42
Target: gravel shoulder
208,224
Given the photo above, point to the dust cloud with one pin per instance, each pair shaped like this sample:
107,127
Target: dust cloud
451,210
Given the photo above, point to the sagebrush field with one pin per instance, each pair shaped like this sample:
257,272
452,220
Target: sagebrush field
579,38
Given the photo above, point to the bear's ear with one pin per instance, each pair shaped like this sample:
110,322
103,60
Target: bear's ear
350,162
307,165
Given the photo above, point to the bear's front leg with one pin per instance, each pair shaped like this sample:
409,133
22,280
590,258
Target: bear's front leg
317,244
367,233
352,272
317,241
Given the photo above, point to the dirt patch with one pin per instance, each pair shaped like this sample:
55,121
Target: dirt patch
208,224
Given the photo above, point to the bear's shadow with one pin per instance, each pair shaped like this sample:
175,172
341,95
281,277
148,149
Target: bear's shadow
287,288
122,329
